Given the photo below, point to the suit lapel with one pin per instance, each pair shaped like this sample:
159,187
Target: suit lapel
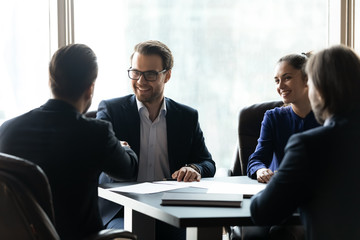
133,123
173,121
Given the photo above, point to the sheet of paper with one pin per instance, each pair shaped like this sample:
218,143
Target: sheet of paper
246,189
220,187
212,187
201,184
146,188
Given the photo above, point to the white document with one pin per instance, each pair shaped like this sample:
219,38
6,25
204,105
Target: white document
245,189
211,186
201,184
220,187
145,188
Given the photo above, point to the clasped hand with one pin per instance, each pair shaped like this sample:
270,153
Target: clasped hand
263,175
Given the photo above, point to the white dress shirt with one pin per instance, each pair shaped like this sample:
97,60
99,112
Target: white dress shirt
153,159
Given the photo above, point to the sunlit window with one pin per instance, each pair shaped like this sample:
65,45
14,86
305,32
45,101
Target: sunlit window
24,56
224,51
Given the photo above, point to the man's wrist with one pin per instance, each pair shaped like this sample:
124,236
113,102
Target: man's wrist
193,166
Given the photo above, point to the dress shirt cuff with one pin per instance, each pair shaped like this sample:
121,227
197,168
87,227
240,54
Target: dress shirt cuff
193,166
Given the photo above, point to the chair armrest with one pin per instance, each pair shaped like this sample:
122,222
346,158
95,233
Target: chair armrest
108,234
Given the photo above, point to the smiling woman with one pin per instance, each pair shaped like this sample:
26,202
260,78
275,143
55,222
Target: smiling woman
291,83
280,123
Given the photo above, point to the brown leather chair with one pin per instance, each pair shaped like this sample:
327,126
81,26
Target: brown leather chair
26,210
250,119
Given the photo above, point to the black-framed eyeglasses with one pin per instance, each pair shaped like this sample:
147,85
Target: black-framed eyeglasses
148,75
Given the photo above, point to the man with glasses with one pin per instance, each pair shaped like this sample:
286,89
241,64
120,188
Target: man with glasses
165,135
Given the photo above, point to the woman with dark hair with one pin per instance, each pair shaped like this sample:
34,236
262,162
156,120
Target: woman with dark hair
327,156
280,123
277,127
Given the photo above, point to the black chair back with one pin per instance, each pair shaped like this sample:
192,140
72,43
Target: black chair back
26,210
250,119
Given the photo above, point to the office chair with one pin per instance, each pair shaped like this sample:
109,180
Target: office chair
249,126
26,209
250,119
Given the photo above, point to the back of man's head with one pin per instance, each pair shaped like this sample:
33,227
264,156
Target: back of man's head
335,73
72,70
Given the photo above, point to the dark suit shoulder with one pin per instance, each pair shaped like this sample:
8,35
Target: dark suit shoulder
309,136
178,113
125,100
95,124
113,108
173,105
8,128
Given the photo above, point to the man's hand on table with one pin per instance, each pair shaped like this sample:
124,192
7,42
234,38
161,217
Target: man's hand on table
186,174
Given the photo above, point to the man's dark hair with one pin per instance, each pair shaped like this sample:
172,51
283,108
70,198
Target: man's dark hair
72,70
335,73
153,47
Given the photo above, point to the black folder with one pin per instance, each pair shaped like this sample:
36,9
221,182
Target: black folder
202,199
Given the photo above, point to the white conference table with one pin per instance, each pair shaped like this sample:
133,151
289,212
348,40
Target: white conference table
142,211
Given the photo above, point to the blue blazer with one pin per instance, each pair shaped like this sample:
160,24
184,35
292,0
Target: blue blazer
276,128
185,139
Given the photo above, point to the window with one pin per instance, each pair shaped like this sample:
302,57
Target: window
356,28
24,47
224,51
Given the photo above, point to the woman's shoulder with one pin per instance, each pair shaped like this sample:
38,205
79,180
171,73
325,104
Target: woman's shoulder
278,112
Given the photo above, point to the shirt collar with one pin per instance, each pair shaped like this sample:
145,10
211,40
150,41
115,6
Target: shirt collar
140,106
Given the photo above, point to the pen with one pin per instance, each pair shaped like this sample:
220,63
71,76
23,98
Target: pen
169,179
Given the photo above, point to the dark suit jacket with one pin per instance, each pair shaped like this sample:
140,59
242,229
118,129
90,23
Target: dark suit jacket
318,175
185,139
73,151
